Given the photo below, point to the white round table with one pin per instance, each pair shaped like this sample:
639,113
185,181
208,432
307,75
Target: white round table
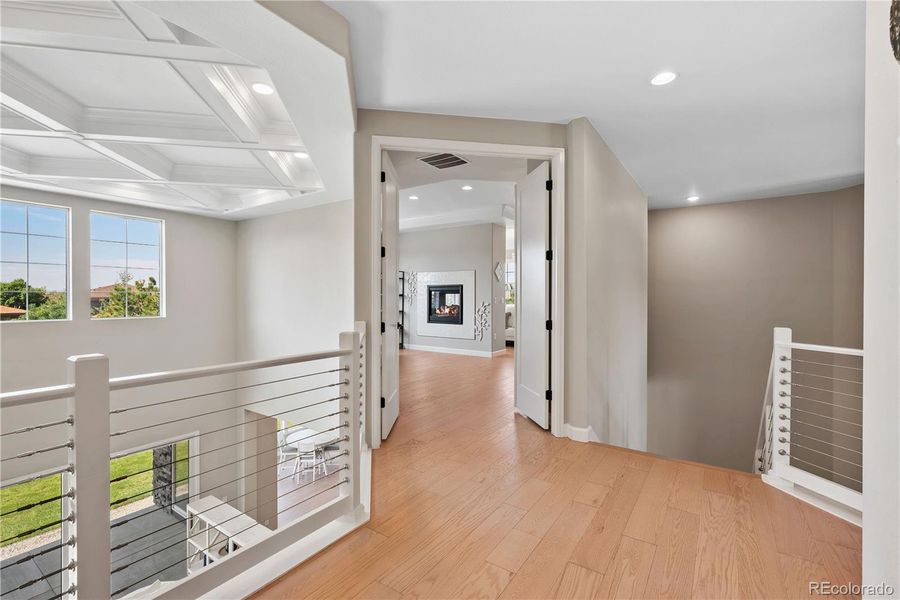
309,441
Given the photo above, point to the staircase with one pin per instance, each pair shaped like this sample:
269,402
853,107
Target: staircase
810,433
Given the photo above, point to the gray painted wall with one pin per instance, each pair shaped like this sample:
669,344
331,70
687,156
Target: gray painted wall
606,293
454,249
721,277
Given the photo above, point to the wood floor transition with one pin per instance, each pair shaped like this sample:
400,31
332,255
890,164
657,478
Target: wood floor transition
472,501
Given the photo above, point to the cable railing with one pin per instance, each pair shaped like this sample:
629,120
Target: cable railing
810,437
257,460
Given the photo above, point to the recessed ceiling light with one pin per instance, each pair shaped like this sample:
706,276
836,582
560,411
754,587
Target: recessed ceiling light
663,78
467,188
693,198
263,88
413,197
301,155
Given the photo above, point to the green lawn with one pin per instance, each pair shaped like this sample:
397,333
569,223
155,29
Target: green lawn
15,496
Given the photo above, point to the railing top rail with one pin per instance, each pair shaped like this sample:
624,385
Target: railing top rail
818,348
34,395
133,381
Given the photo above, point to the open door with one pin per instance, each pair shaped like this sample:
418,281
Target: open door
390,295
533,394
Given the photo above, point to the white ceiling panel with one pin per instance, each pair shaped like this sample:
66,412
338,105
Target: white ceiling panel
124,105
769,95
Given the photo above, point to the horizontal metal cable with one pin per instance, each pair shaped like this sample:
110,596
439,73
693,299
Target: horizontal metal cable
67,421
831,456
189,477
154,553
784,429
234,389
810,387
809,437
161,507
29,532
69,567
812,362
275,414
825,469
24,507
783,370
69,591
33,555
68,444
180,561
42,474
220,410
795,409
786,395
243,441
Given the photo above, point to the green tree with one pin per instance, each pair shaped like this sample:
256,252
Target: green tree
126,299
53,308
41,304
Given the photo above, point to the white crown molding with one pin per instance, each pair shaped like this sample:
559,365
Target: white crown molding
69,9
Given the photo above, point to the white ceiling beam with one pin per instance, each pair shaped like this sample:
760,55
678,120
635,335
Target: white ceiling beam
213,181
222,98
147,196
266,145
14,37
277,166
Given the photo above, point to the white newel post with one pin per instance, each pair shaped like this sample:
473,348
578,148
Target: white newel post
349,340
781,397
89,407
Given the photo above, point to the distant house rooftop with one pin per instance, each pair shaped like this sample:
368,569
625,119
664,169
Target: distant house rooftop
10,312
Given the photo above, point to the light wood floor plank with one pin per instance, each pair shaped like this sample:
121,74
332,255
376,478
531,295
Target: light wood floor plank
672,574
626,576
471,500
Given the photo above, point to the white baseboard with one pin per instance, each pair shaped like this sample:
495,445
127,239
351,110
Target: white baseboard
581,434
498,353
481,353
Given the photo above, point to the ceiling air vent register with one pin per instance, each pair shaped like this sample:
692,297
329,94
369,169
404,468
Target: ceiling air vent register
444,160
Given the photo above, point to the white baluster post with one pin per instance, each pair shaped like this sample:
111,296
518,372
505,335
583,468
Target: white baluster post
349,340
89,407
781,397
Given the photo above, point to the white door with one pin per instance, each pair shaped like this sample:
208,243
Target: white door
532,296
390,292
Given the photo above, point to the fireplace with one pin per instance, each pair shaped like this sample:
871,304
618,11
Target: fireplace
445,304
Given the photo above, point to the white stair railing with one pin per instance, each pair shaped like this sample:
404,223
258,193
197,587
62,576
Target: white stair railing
105,415
810,437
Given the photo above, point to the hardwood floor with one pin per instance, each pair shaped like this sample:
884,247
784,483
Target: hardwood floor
472,501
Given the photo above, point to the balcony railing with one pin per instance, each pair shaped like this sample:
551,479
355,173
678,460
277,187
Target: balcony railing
810,437
275,454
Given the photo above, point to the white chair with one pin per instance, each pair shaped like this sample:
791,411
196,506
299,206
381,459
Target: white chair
285,452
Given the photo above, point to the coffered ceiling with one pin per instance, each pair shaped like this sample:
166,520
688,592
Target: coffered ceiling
111,100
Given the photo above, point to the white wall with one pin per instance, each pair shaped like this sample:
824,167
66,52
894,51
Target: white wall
606,308
199,289
295,281
469,248
295,295
881,420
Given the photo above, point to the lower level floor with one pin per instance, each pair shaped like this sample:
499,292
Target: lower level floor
471,500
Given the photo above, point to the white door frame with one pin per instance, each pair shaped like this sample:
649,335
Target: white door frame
557,157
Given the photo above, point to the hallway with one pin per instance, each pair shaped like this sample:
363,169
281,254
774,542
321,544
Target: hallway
472,501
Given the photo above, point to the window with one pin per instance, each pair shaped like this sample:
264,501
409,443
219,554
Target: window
34,258
510,281
125,266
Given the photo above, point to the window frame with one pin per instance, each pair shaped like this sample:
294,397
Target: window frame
68,265
162,261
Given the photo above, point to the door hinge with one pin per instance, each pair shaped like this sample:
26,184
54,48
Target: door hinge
382,402
549,185
383,177
549,325
383,252
382,327
549,254
548,395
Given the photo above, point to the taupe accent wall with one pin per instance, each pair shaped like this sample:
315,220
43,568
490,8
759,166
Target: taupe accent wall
720,278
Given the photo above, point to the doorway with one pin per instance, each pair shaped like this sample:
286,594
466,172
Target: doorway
534,275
